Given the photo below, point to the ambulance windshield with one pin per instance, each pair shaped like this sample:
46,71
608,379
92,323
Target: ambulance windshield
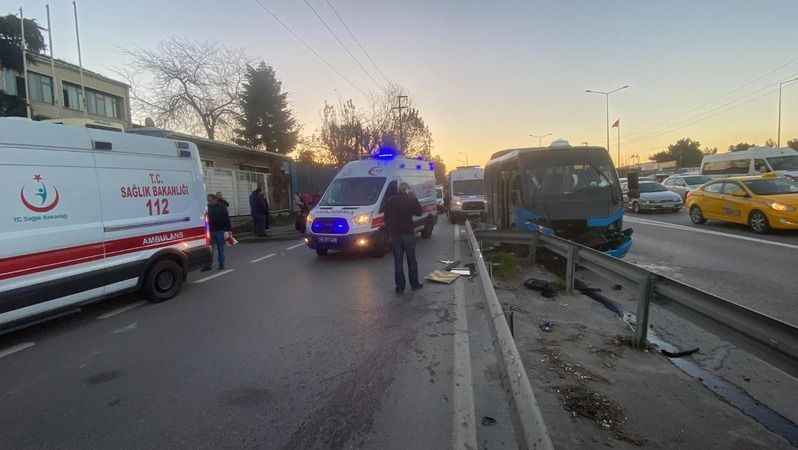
358,191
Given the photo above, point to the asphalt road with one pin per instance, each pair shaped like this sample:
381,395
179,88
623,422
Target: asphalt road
729,260
290,351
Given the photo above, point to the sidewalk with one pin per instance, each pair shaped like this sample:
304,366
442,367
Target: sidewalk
278,233
595,391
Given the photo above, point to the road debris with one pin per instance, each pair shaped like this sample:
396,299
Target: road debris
444,277
546,288
546,326
607,414
679,354
488,421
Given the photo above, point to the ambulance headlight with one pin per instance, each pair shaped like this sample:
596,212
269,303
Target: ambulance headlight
361,219
309,219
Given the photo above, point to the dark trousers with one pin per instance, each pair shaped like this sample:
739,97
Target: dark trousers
259,221
405,244
217,239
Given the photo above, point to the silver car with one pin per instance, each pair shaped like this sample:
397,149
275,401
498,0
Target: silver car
655,197
682,184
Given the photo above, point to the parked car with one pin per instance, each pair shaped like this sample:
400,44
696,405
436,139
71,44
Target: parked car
761,202
682,184
655,197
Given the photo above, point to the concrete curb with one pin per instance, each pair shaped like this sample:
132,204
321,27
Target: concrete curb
531,431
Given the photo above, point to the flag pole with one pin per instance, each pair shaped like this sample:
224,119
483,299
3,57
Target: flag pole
56,99
84,102
619,143
24,62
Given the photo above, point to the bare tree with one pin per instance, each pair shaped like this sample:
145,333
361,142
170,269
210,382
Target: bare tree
195,86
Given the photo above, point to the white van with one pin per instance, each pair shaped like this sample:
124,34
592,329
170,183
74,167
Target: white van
86,214
466,193
350,214
756,161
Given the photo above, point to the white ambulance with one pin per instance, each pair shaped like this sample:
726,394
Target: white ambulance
466,193
86,214
351,213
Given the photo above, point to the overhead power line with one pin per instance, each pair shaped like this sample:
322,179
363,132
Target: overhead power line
701,113
761,92
311,49
357,41
341,43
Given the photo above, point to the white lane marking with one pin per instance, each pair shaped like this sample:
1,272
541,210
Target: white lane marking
674,226
118,311
125,329
211,277
295,246
16,348
263,257
464,434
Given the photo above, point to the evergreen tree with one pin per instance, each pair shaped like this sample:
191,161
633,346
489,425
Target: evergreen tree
266,121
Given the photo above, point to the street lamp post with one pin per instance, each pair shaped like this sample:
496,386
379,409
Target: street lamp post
781,85
540,138
606,95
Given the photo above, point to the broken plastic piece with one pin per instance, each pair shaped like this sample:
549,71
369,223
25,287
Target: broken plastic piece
545,288
679,354
488,421
546,326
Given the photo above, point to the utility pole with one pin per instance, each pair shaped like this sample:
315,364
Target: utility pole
466,157
24,62
781,85
401,120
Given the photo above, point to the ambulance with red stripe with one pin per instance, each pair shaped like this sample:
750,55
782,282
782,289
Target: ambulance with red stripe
351,213
86,214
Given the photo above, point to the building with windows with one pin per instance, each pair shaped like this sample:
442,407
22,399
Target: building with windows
59,95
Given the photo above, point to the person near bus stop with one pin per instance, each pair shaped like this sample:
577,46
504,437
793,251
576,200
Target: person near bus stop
399,211
219,226
259,211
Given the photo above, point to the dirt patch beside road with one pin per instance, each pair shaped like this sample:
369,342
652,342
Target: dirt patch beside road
596,391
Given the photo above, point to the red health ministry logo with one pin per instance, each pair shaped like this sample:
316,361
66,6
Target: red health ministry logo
40,198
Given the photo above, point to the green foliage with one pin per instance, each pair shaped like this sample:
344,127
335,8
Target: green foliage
266,121
770,143
440,170
686,152
11,41
740,147
505,265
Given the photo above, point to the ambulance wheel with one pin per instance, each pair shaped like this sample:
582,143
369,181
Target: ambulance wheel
321,251
426,233
163,281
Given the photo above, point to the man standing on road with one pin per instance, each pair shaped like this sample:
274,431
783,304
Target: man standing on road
259,210
399,212
218,225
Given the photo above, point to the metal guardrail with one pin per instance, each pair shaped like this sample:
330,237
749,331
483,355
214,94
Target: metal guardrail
530,428
767,338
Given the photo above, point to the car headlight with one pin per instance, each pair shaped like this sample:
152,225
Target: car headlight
309,219
458,203
361,219
782,207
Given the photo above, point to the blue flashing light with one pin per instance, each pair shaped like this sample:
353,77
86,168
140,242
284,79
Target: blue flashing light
418,166
402,166
431,166
385,153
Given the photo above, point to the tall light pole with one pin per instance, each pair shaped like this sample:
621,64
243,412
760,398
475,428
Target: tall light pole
781,85
606,95
540,138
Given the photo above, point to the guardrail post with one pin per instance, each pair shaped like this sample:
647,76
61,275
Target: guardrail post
570,269
643,307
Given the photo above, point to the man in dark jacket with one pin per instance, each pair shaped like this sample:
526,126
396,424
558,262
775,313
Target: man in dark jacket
399,211
218,225
259,211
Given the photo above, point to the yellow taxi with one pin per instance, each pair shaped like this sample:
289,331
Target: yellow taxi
762,202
